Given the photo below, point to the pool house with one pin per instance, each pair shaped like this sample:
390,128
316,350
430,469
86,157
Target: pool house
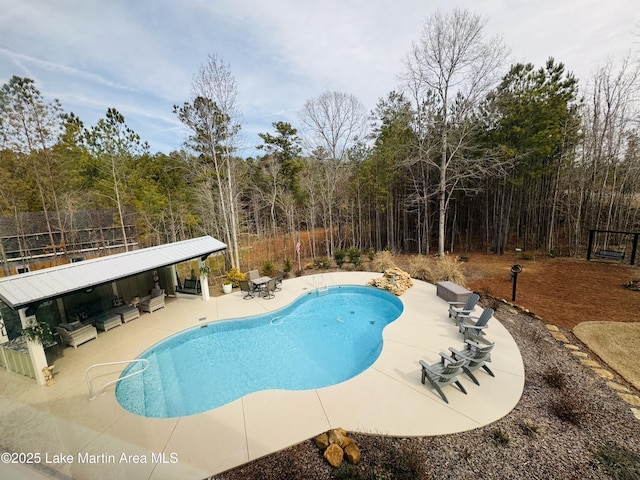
101,292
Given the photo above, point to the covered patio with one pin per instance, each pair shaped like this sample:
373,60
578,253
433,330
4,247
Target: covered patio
386,399
74,291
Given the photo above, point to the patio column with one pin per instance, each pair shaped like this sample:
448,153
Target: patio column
4,338
204,282
174,278
36,350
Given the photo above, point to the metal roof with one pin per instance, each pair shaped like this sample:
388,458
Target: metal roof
24,289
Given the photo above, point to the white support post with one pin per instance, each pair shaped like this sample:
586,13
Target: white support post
4,337
36,350
174,278
204,283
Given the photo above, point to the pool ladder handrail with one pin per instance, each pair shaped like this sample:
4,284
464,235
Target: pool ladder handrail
321,287
104,387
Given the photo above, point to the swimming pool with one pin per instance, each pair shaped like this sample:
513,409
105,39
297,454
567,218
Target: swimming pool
321,339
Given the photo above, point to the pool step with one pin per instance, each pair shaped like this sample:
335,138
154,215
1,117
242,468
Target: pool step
167,377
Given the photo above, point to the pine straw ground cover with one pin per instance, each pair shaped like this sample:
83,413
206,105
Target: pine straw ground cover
616,343
569,424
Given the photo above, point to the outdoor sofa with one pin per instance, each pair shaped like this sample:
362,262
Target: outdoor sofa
105,314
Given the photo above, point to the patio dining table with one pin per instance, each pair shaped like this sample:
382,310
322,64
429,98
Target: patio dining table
260,284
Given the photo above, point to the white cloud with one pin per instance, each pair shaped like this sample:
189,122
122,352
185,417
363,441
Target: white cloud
140,57
61,69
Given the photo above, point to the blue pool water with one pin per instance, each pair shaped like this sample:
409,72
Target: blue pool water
317,341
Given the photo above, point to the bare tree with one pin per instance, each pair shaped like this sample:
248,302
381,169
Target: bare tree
609,168
213,118
310,184
455,63
335,121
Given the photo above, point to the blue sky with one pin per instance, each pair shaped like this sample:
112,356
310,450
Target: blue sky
139,56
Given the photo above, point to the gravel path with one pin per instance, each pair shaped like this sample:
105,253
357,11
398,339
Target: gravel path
571,423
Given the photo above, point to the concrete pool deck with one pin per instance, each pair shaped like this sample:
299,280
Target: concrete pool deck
91,439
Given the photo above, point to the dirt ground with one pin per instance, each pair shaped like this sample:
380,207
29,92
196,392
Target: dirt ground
562,291
570,291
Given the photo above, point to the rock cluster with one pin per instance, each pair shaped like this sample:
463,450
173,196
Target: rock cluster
633,285
47,372
337,446
394,280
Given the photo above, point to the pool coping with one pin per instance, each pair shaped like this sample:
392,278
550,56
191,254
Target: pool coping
386,399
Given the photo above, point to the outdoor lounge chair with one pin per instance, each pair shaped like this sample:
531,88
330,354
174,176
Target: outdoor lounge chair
466,308
153,302
246,288
443,373
477,353
75,333
474,325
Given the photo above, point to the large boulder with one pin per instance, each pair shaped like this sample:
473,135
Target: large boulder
334,455
352,453
338,436
337,446
322,441
394,280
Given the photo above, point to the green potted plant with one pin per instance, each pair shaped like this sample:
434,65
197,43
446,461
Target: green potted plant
38,332
234,276
205,270
227,286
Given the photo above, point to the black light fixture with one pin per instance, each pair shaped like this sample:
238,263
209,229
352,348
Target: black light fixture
515,270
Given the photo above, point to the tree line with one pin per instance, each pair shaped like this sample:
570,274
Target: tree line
461,156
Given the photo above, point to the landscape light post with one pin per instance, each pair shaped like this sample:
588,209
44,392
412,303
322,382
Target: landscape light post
515,270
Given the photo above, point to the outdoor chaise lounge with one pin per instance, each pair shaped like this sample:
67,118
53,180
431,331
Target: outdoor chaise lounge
106,321
474,325
127,312
443,373
75,333
477,352
465,308
153,302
